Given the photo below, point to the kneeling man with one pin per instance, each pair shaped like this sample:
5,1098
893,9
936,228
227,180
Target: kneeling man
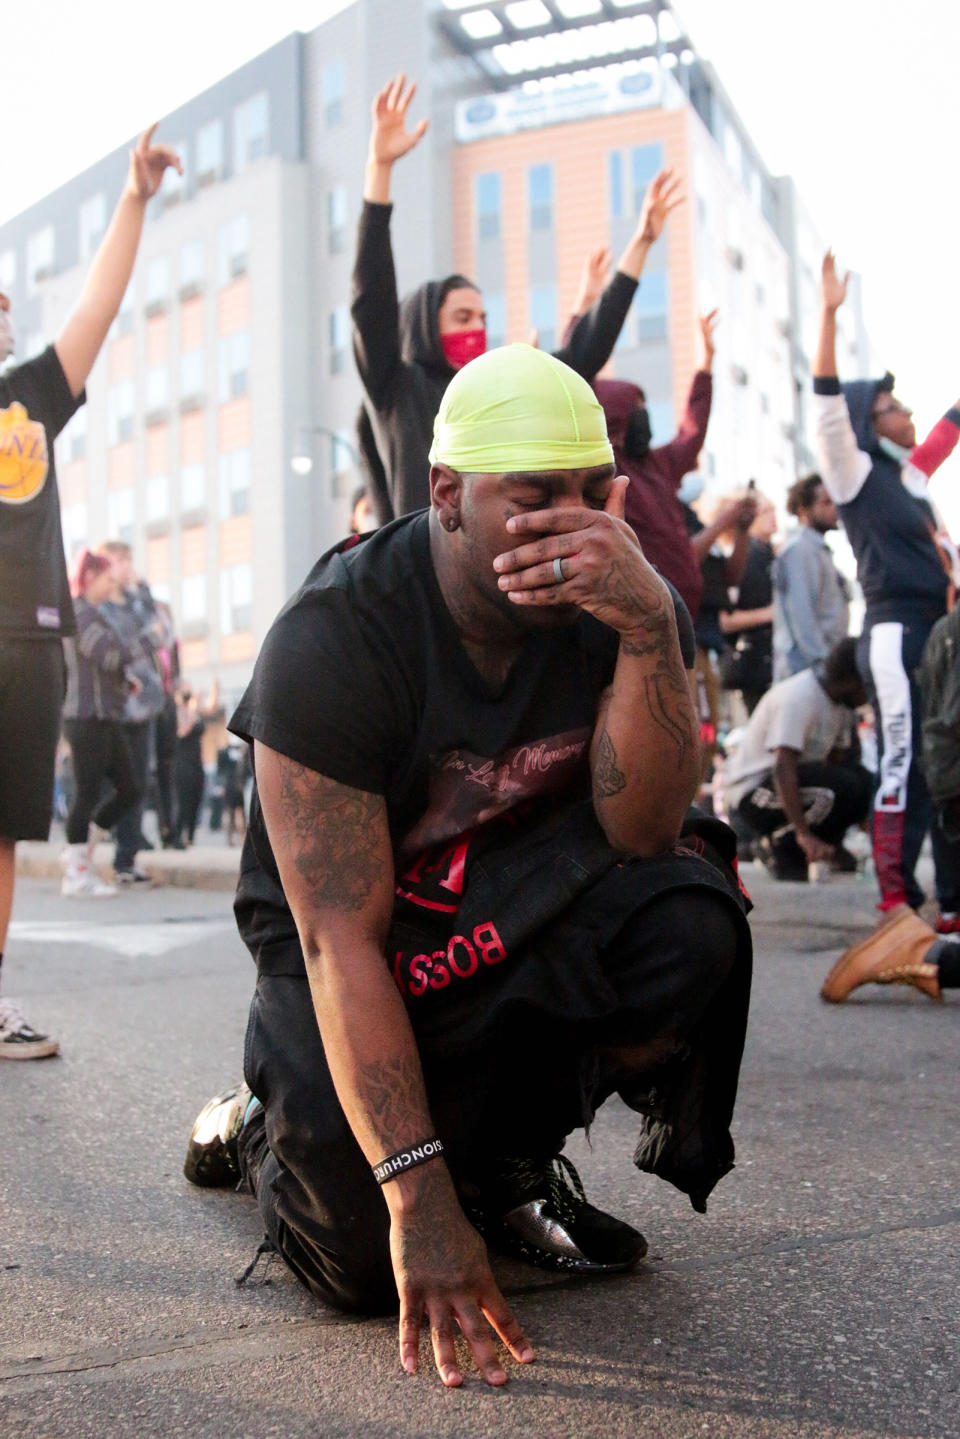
465,888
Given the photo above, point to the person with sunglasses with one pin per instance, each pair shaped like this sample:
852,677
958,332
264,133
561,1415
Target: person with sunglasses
907,567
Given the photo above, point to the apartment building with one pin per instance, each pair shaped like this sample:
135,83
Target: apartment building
231,356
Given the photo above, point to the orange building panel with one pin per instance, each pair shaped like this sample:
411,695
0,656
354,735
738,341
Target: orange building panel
158,340
193,551
579,155
158,450
158,559
122,359
236,541
72,480
233,307
192,439
193,655
121,466
191,325
233,425
234,648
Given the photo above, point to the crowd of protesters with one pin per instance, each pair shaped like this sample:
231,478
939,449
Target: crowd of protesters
705,660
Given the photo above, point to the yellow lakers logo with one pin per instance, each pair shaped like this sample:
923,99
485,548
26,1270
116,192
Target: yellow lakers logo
23,456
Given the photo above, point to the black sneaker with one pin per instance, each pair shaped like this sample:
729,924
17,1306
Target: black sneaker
536,1210
212,1160
133,878
784,859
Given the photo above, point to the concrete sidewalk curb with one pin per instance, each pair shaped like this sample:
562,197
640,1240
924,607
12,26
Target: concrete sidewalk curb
202,867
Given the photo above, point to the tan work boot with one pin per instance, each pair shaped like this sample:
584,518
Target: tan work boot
893,954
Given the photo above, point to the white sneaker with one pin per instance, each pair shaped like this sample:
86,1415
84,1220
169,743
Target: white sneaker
18,1039
86,885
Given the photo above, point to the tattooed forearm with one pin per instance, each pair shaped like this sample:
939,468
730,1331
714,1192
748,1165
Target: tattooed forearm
608,778
670,708
331,831
653,634
395,1100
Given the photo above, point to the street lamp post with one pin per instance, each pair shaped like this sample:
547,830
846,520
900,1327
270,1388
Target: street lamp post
302,460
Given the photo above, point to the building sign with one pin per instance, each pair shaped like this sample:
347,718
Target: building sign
487,115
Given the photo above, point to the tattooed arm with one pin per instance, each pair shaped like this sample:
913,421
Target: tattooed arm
645,749
332,847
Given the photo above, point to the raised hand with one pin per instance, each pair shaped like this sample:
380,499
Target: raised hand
833,290
593,277
148,162
708,323
389,137
663,195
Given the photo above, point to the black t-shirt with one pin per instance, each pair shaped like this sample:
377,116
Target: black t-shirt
363,678
35,404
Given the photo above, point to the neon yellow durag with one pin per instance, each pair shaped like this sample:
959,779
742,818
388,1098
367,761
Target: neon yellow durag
516,408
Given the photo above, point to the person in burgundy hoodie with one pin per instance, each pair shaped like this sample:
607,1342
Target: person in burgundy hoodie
653,507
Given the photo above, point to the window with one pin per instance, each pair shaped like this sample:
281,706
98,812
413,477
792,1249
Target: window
488,206
543,314
120,404
236,599
93,222
191,375
120,512
158,498
191,267
645,162
157,388
39,258
540,196
339,335
234,249
193,598
650,304
74,523
337,219
193,488
74,438
341,462
158,284
334,84
496,320
123,322
616,184
8,270
251,130
234,363
209,152
173,187
234,484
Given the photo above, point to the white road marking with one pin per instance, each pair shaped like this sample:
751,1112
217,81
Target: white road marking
133,940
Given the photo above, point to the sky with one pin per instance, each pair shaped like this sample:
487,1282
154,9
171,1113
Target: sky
857,99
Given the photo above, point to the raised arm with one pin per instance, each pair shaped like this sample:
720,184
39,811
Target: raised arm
592,335
682,452
332,847
375,303
843,465
644,752
85,330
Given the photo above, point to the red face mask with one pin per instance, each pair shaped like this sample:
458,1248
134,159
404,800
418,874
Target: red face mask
460,346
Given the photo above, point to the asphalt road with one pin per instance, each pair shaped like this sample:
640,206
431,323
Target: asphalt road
818,1297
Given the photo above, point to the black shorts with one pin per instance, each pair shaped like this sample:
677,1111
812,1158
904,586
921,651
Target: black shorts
32,681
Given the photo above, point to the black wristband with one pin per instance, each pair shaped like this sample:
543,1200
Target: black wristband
405,1159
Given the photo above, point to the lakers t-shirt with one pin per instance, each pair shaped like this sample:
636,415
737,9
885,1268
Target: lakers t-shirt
35,404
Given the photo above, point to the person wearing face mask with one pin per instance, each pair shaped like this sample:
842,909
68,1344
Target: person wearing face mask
655,499
877,474
37,399
408,353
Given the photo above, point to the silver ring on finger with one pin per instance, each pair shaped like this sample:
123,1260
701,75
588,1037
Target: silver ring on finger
558,575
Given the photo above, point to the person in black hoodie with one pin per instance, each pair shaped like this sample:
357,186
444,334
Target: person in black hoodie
877,474
408,353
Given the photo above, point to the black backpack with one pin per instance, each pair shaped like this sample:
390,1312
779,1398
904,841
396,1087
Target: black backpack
940,706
